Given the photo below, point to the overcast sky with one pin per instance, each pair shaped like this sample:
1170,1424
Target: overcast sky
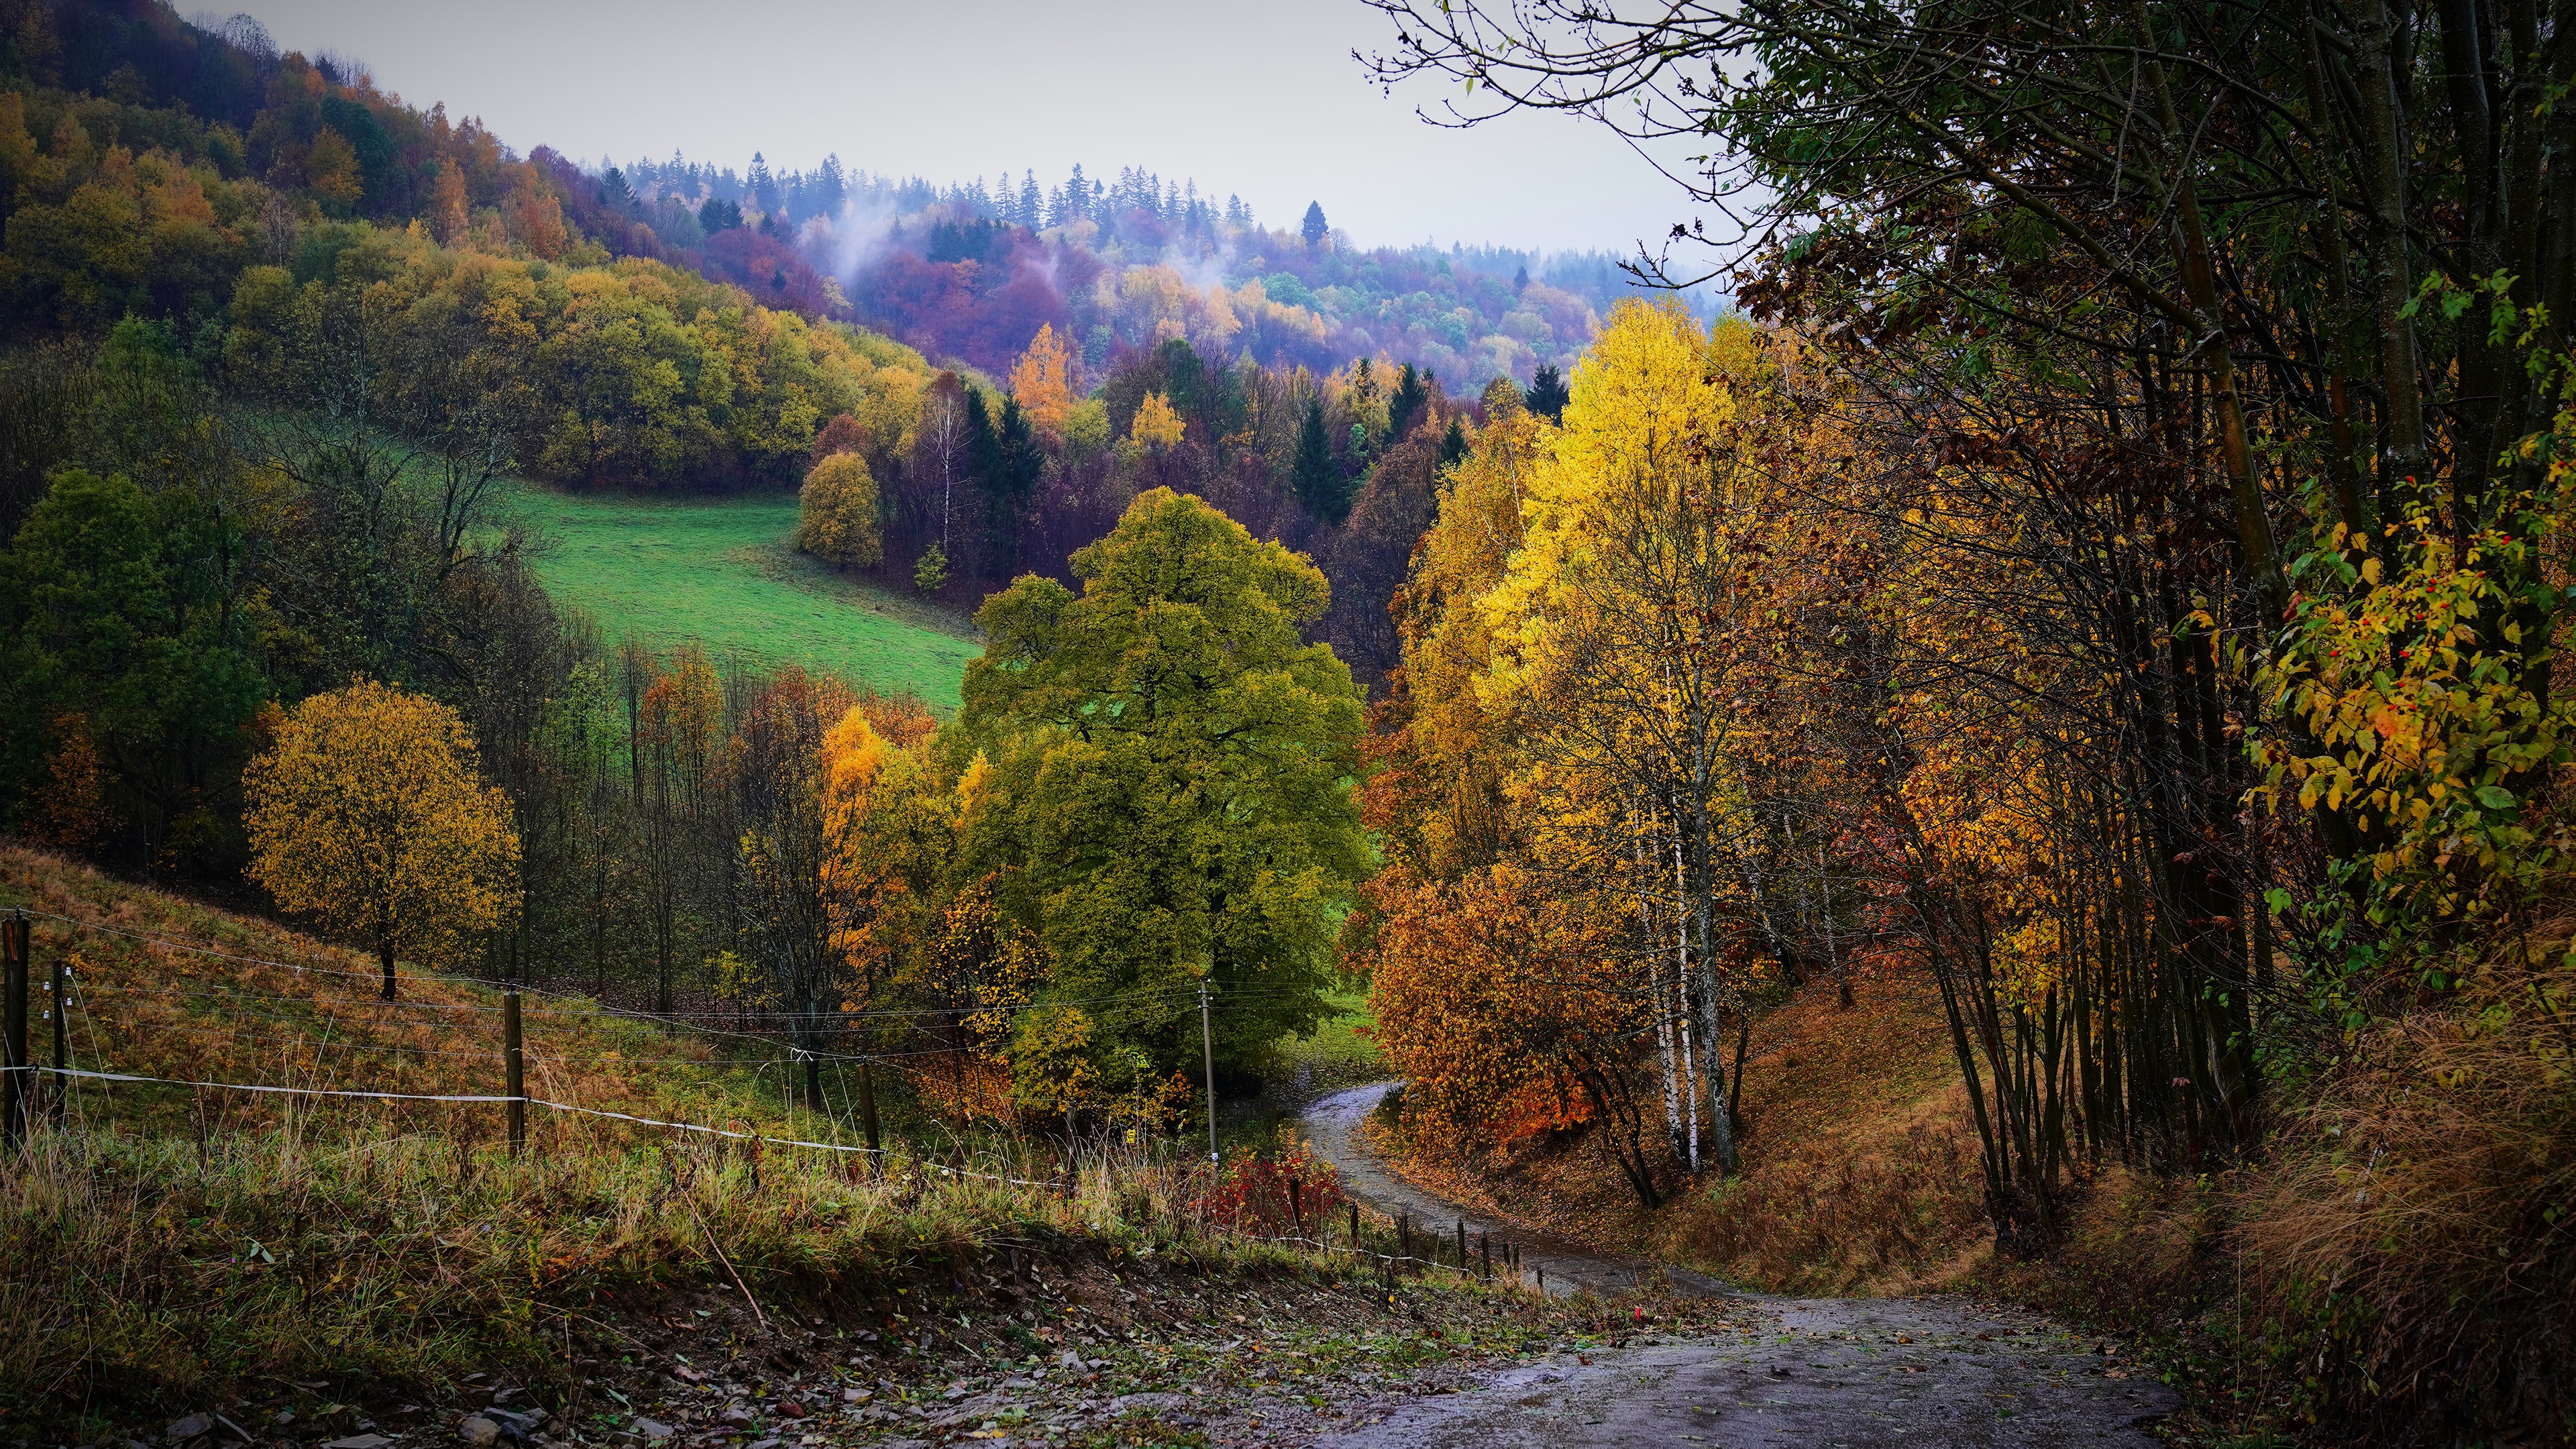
1261,100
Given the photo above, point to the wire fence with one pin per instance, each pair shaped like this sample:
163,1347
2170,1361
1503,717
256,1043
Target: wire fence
68,997
1353,1247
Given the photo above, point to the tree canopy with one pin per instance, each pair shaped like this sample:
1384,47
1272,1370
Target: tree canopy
1177,764
368,812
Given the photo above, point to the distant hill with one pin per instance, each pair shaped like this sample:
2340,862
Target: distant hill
971,271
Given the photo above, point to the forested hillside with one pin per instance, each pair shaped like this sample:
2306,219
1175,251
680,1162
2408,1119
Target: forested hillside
2082,644
965,270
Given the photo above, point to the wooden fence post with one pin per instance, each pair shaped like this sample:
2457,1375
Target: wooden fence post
868,1104
1485,1249
1462,1245
1355,1232
1296,1211
59,986
13,1026
513,1062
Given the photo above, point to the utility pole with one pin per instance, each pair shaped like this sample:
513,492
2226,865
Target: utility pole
1207,1042
13,1026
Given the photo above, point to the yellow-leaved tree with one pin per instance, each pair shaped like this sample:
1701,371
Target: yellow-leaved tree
368,813
1043,382
1157,425
836,514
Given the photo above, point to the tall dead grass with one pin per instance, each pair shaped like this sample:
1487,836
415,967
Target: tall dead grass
158,1271
2416,1245
1827,1217
171,988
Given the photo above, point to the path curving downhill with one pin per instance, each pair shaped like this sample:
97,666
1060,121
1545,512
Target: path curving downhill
1333,1125
1865,1373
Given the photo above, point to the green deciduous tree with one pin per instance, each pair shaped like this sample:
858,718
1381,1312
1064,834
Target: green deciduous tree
1177,762
836,514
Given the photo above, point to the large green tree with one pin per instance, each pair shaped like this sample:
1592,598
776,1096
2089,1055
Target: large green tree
1178,763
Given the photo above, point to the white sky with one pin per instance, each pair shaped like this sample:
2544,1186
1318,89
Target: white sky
1262,100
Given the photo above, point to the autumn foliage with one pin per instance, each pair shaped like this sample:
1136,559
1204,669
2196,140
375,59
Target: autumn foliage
837,513
367,813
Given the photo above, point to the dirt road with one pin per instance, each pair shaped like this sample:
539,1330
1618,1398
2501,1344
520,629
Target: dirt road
1822,1372
1332,1124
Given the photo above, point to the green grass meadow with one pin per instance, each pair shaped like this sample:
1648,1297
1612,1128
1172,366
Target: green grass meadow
725,572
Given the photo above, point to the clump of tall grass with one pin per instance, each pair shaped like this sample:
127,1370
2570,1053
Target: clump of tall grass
155,1271
2414,1253
1836,1216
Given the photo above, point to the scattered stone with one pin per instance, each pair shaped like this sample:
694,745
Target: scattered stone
735,1414
480,1432
764,1444
359,1441
182,1430
653,1430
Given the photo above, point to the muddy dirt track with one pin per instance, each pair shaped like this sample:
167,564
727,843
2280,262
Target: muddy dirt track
1822,1372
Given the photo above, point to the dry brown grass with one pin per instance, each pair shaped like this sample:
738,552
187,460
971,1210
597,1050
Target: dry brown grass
1859,1173
167,1011
2416,1247
160,1271
167,1246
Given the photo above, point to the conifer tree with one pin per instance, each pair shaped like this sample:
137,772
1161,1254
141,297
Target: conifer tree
1317,478
1315,227
1407,404
1548,394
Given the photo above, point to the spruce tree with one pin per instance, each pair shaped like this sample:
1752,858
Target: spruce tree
1317,477
1407,404
1548,395
1316,227
1019,460
1453,443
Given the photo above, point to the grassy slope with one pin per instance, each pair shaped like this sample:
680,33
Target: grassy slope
722,571
1859,1174
156,1011
199,1252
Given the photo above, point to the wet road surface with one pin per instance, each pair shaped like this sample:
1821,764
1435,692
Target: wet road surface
1823,1372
